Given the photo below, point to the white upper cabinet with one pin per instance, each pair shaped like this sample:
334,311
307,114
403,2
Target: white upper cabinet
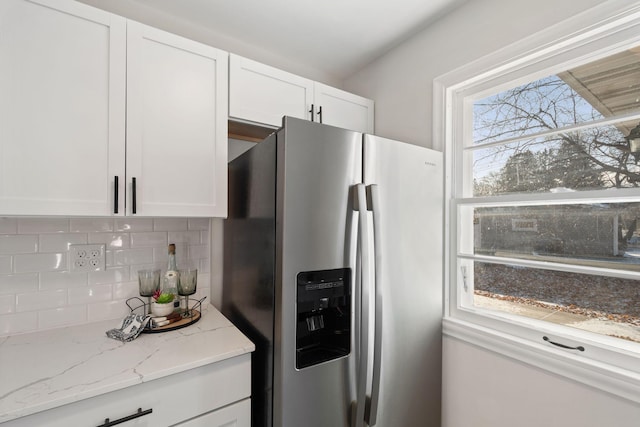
70,75
343,109
62,108
262,94
176,125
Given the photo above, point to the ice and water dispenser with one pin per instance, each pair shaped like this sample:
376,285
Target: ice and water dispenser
324,316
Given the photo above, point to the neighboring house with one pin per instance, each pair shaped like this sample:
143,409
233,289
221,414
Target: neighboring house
550,230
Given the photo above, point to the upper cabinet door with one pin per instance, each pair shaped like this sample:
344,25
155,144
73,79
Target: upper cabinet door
263,94
62,108
343,109
176,125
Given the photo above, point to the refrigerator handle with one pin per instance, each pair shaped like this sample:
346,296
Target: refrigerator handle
372,408
362,364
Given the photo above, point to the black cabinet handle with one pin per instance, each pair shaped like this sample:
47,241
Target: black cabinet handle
312,112
115,195
133,195
580,348
138,414
320,113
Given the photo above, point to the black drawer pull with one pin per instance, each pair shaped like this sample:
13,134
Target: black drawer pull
581,348
133,196
138,414
115,195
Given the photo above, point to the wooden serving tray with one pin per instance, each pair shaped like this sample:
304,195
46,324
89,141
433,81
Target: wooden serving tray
192,317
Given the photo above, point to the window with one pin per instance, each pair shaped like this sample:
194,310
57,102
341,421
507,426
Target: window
544,184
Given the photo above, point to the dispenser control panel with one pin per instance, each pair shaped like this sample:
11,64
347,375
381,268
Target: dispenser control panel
323,329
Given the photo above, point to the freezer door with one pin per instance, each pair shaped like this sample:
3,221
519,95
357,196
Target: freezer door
405,183
249,270
316,231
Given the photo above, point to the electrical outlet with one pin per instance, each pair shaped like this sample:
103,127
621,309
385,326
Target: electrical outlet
87,257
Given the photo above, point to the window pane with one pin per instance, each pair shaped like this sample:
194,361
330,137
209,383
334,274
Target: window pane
589,159
602,235
604,305
605,88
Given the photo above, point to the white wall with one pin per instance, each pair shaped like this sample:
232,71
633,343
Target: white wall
482,388
401,81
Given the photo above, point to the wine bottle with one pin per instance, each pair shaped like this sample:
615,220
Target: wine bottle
170,281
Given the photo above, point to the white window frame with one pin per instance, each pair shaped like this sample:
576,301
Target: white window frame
608,364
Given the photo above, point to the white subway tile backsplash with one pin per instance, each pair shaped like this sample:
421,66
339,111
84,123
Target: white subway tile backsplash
89,225
198,251
62,280
18,244
38,292
133,224
189,237
199,224
111,240
124,290
205,265
40,262
41,300
8,225
134,269
116,309
43,225
170,224
89,294
133,256
60,242
63,316
108,276
18,283
149,239
7,304
161,254
6,264
17,323
205,236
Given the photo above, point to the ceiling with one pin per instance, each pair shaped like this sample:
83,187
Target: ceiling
338,37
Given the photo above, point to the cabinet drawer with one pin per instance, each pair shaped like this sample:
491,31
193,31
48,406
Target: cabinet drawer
237,415
173,398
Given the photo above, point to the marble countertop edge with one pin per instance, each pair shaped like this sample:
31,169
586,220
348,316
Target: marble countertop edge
102,365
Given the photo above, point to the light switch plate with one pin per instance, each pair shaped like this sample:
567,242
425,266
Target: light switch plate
87,257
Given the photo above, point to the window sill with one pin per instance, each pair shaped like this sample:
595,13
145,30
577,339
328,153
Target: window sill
610,379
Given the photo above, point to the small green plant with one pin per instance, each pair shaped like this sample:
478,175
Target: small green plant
162,298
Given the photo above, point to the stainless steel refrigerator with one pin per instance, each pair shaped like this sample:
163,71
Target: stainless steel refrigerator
333,268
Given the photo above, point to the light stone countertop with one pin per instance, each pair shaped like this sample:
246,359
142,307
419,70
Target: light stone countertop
46,369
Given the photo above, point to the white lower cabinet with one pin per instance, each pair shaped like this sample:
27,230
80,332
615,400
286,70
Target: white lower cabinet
236,415
217,394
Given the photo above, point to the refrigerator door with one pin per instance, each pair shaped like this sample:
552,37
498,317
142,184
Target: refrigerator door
316,234
406,182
